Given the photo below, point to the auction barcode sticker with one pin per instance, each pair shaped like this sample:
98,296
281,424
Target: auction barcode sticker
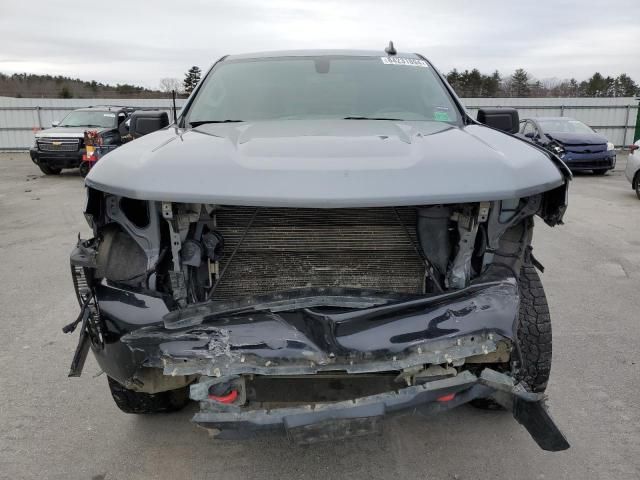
409,62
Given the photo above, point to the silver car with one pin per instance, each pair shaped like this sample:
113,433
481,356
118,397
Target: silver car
632,171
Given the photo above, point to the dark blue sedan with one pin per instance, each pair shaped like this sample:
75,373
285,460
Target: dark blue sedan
577,144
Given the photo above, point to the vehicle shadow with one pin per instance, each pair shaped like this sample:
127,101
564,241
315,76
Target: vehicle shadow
407,445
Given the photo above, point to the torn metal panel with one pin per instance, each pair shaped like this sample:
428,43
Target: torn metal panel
439,329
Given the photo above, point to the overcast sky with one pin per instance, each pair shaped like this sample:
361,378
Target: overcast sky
141,42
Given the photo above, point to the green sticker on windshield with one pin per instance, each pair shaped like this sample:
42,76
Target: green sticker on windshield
441,116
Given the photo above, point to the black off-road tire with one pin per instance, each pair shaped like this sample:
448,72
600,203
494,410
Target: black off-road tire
533,349
141,403
534,332
49,170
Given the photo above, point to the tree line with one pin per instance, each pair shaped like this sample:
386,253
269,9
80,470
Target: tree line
467,84
472,84
30,85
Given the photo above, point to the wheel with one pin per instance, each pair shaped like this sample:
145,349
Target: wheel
638,185
534,332
84,168
49,170
534,338
601,171
137,402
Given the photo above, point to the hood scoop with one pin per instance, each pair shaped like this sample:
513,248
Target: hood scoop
329,128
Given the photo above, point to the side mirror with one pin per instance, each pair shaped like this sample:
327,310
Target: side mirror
505,119
123,128
142,122
55,124
529,134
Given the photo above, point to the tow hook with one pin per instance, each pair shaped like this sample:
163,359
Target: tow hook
219,392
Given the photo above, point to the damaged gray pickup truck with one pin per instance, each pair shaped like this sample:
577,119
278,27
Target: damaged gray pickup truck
320,239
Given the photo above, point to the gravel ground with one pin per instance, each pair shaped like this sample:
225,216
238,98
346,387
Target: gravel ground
54,427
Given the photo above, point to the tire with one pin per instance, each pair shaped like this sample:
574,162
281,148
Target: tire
49,170
534,342
84,168
600,171
143,403
638,185
534,338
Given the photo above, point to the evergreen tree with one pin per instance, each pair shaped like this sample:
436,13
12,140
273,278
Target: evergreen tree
65,92
596,86
453,77
491,84
625,86
191,79
520,83
474,83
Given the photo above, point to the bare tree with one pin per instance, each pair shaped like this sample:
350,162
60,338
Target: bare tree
169,84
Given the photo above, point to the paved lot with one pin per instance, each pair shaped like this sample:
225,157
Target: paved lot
52,427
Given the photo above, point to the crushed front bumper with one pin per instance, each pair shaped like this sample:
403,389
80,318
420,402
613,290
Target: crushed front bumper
330,421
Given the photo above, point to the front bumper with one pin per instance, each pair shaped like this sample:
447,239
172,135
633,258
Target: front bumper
590,161
453,329
426,330
57,159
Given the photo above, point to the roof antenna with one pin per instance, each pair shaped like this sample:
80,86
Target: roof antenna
175,113
391,50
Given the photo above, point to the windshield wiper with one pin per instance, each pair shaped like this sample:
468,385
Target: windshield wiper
355,117
203,122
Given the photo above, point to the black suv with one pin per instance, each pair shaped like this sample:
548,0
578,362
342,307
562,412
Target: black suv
63,145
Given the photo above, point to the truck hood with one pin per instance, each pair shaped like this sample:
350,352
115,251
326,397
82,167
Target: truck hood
577,138
326,164
68,132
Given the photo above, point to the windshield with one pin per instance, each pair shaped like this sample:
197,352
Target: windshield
322,87
81,118
564,126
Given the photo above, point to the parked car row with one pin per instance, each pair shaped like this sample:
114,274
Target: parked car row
578,145
83,136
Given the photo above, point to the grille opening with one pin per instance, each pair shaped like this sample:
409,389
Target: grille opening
290,248
59,144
